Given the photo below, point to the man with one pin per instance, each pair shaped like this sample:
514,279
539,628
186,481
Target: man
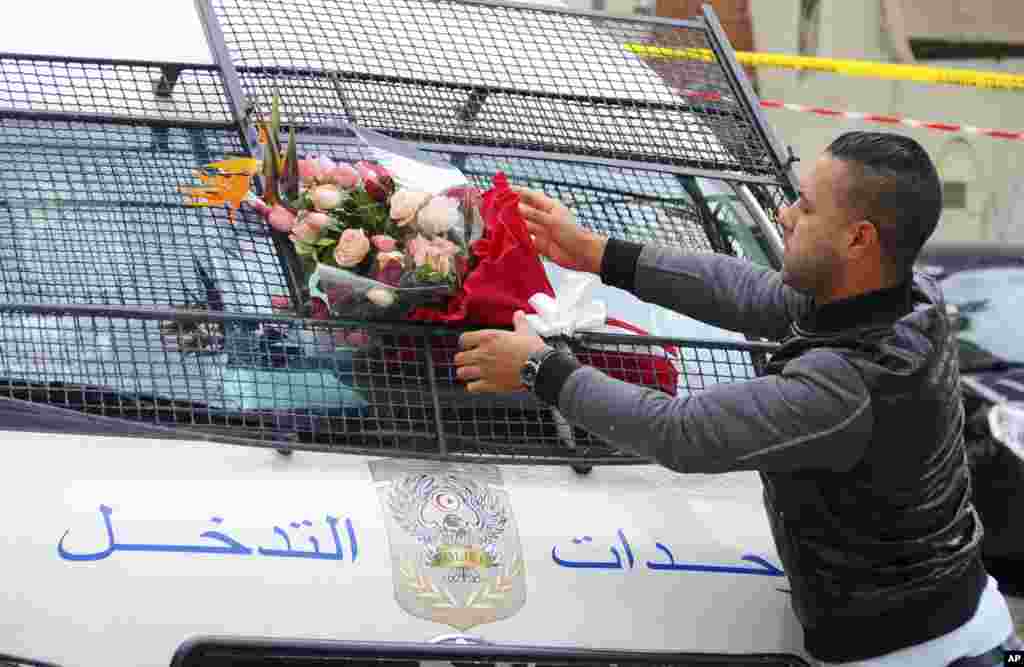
857,427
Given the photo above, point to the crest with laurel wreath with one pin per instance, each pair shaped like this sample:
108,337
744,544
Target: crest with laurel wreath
455,548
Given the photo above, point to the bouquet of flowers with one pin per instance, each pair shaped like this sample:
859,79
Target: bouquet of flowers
406,237
370,248
376,240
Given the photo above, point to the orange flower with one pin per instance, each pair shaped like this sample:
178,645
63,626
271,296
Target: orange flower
228,186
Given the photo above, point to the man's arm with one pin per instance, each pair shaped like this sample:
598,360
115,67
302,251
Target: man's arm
724,291
816,414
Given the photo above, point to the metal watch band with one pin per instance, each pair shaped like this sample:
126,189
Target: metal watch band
531,369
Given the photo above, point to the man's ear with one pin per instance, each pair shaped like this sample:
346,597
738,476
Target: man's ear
864,239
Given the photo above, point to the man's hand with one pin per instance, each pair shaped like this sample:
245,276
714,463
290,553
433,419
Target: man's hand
556,234
492,360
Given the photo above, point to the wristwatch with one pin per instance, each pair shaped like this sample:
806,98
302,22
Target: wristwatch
528,373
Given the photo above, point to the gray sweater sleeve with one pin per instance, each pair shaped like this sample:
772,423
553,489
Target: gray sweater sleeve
815,414
723,291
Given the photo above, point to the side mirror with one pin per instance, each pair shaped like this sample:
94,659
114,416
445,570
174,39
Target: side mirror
1006,423
956,319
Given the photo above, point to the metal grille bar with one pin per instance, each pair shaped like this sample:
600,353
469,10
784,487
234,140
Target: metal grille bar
493,75
119,303
90,206
321,386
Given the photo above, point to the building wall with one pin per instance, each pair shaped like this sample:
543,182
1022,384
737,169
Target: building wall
991,169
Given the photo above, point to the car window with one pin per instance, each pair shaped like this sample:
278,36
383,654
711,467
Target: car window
735,222
990,307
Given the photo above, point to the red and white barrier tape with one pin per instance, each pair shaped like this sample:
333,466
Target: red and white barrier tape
894,120
872,117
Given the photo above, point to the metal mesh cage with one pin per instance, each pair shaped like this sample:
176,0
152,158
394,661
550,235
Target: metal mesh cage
96,151
610,114
329,386
632,204
525,79
120,303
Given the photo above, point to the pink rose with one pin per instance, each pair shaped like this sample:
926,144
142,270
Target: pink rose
339,295
438,262
354,338
281,219
258,205
438,216
344,176
417,248
358,338
405,204
352,248
305,232
390,274
317,219
376,179
443,246
309,171
326,197
318,310
385,258
467,194
383,242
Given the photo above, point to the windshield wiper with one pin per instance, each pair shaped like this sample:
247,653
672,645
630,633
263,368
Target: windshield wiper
993,365
976,359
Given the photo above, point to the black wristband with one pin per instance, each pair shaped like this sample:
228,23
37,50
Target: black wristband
618,264
552,376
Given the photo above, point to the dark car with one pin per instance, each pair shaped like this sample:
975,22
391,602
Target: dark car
984,289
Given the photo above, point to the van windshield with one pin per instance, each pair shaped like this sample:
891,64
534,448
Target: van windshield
990,314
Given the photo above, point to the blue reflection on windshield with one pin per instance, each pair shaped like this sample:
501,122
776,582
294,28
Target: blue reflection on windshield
991,303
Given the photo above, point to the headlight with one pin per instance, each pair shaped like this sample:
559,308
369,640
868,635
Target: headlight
1006,423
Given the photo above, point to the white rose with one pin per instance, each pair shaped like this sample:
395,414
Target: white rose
379,296
327,197
404,205
438,216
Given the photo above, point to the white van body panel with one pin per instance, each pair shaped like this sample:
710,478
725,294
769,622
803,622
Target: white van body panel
135,607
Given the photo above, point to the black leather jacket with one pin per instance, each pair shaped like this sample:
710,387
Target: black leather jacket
856,430
889,551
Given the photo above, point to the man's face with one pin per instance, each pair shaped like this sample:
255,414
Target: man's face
813,229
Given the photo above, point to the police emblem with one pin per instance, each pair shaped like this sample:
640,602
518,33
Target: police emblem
455,551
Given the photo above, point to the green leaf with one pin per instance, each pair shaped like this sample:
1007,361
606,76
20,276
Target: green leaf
326,256
326,243
275,118
270,195
290,178
303,248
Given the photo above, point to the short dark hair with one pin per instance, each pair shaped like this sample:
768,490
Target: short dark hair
894,185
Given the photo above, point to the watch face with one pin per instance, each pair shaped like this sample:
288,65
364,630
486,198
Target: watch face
529,373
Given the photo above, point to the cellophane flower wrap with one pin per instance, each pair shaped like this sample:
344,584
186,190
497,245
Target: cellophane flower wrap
376,238
505,267
379,239
375,250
